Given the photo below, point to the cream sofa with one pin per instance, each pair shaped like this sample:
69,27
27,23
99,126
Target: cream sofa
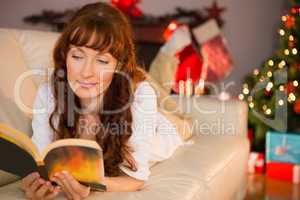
212,166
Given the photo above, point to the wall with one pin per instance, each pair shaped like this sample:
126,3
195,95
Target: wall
250,28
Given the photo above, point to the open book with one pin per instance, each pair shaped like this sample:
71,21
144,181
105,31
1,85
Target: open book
81,158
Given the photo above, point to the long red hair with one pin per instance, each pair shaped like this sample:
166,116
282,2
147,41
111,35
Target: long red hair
114,35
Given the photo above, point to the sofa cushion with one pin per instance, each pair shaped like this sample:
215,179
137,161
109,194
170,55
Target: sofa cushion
37,47
13,116
13,82
214,153
6,178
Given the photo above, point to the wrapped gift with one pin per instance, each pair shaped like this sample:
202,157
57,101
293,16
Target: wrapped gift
256,163
283,171
279,190
283,147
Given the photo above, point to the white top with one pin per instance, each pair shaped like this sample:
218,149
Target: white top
154,138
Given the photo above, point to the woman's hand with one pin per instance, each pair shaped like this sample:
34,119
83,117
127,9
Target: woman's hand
36,188
71,187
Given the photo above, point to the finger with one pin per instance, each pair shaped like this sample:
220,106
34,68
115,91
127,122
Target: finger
65,182
71,181
68,186
29,179
36,184
57,189
62,186
75,185
29,191
41,192
52,194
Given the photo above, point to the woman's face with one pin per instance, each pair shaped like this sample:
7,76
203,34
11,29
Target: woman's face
89,71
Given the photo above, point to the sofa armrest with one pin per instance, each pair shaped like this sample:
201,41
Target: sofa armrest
211,116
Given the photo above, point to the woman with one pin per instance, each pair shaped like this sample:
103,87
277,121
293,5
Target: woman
96,80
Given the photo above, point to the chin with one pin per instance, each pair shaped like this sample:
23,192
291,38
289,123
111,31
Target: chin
86,94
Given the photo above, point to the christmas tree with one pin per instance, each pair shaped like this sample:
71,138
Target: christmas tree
272,91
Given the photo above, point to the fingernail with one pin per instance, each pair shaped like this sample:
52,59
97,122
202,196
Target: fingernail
57,189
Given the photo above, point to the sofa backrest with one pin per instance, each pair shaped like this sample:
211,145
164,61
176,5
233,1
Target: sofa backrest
24,55
25,60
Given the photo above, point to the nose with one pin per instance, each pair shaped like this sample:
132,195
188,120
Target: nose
87,69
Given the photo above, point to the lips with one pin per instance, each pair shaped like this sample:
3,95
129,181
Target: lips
86,84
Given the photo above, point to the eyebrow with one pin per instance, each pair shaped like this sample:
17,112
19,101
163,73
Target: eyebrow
80,49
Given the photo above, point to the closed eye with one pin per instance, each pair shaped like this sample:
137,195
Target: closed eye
76,57
102,61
